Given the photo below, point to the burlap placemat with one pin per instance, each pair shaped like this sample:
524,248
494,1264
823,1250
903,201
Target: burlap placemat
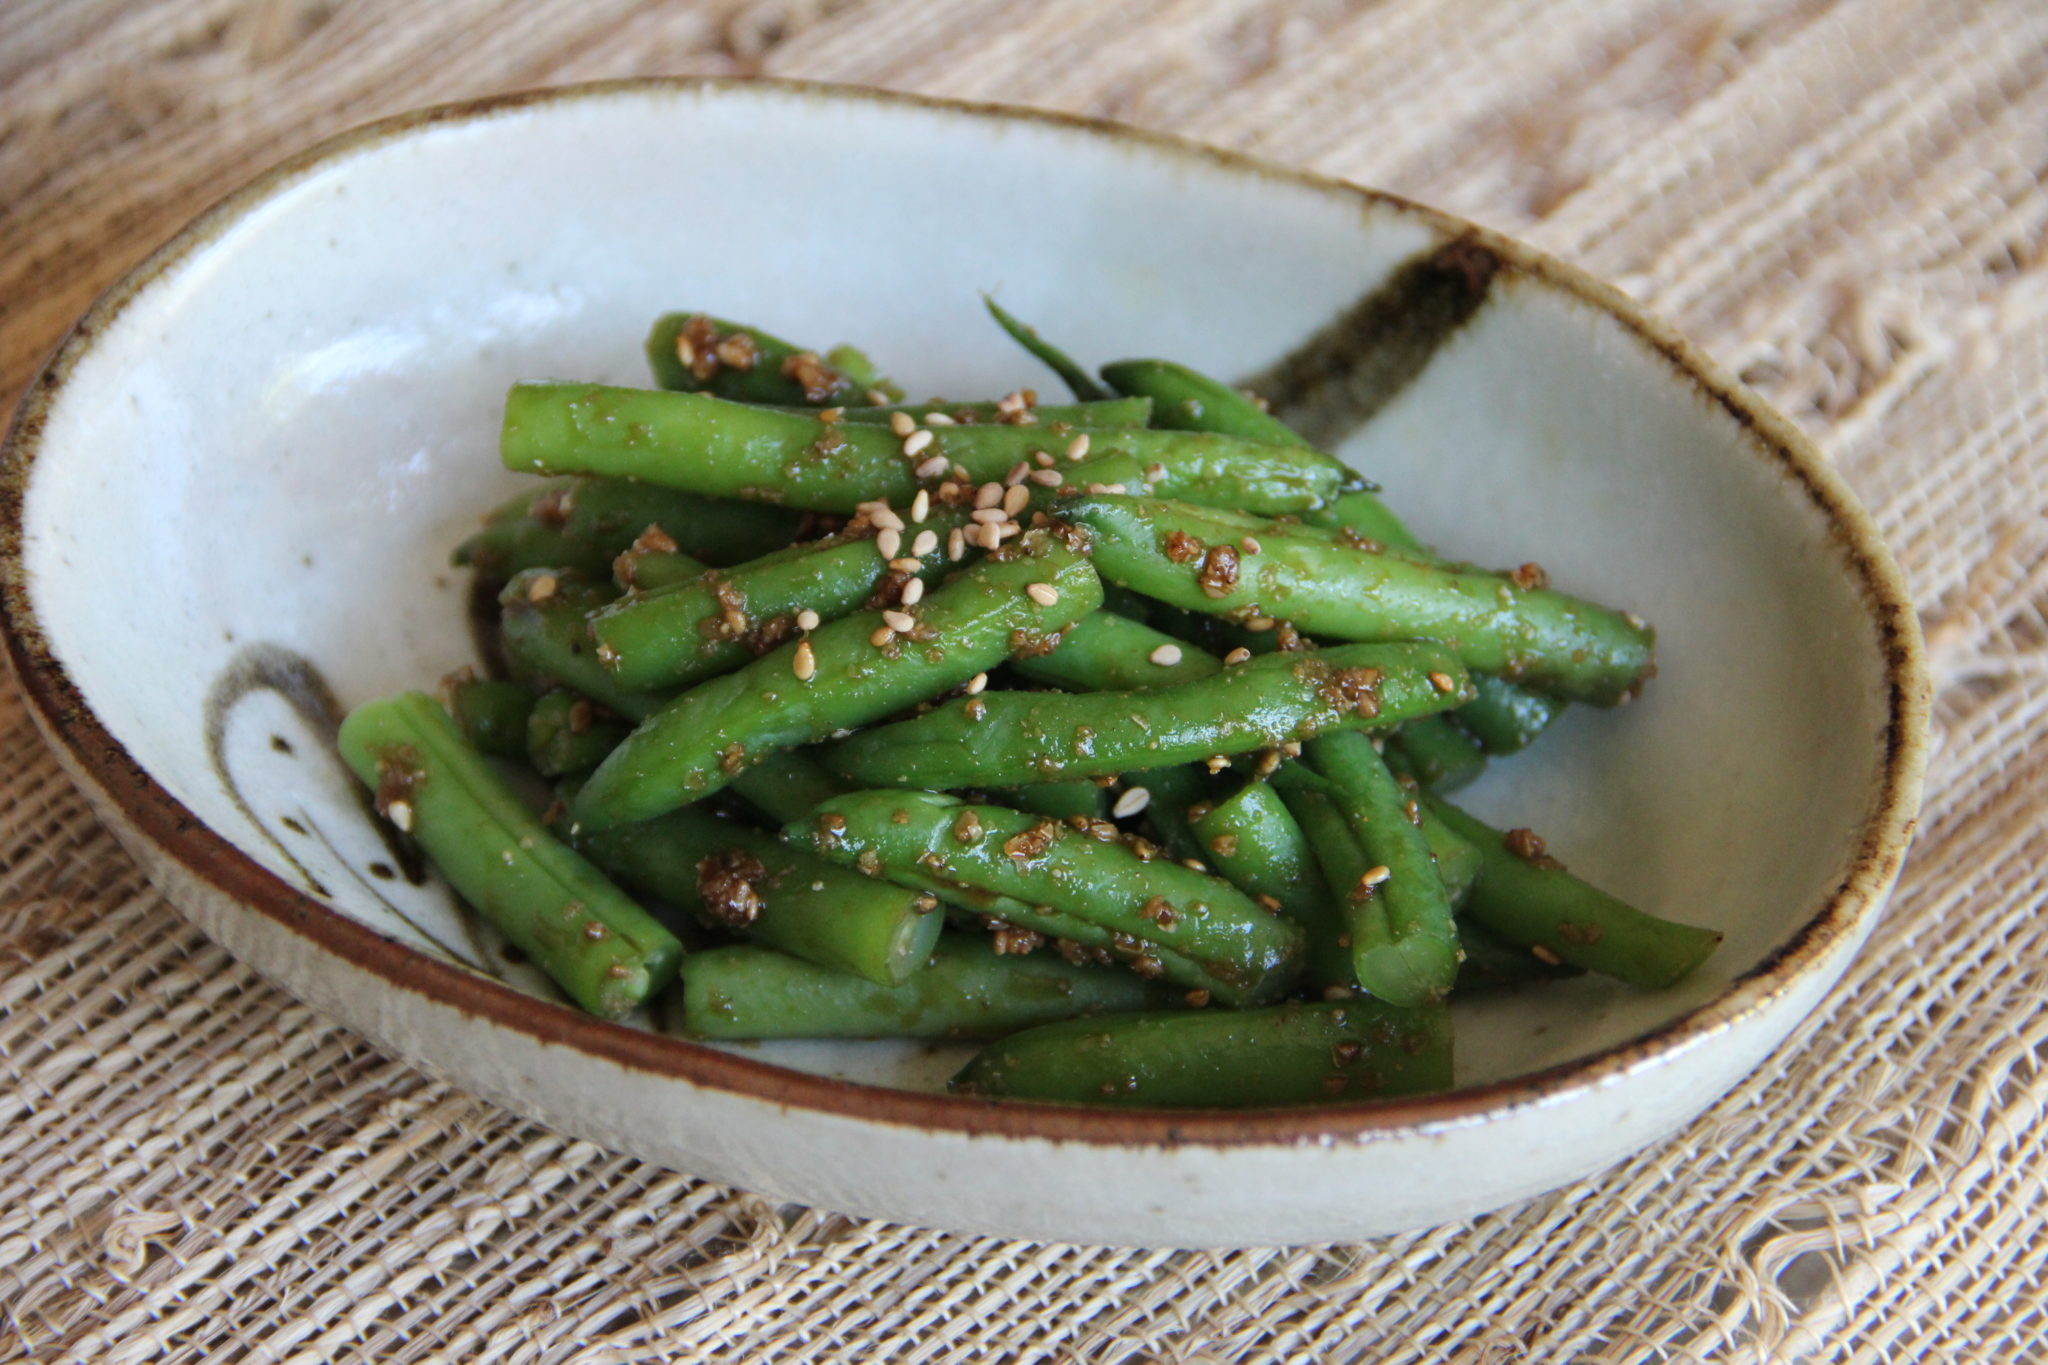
1841,200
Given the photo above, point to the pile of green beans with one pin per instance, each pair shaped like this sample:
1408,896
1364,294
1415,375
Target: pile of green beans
1114,735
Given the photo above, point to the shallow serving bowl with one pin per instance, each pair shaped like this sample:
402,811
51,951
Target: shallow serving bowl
229,503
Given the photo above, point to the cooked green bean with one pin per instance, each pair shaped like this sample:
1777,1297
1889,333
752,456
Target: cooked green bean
1110,653
1061,800
1252,839
1109,412
1189,557
694,351
1171,793
719,620
1188,400
787,786
1438,751
491,713
706,445
600,947
749,882
1525,896
1418,960
544,624
586,524
848,672
1504,717
1085,386
1008,737
1492,963
1222,1059
566,734
1043,875
967,990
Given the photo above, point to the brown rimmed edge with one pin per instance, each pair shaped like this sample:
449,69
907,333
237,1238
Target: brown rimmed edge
157,816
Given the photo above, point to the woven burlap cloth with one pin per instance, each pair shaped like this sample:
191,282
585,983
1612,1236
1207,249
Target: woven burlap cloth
1843,202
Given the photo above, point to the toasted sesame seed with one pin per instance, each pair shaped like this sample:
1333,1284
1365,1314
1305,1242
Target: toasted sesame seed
1216,763
1196,998
906,565
889,542
957,472
1336,992
1011,401
1237,656
1048,478
1016,474
829,415
1292,748
1635,622
1155,471
886,518
921,506
916,441
1194,864
877,399
1131,802
807,619
948,491
882,636
1098,488
1258,623
1543,954
1042,459
989,514
927,541
938,419
685,352
1077,449
805,665
1250,545
902,622
1017,499
976,683
932,468
1442,681
399,813
956,544
735,620
542,588
1166,656
1005,531
913,591
1115,488
1045,594
988,495
1375,875
902,423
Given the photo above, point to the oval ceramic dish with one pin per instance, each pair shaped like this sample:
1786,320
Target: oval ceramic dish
230,500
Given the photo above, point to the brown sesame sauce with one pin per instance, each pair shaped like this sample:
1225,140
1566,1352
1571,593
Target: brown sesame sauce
1218,574
729,882
1031,845
1183,548
1530,577
1032,644
399,773
1347,689
818,380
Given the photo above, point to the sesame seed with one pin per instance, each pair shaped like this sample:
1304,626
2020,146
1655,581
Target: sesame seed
1098,488
1005,531
902,622
989,514
1011,401
542,588
976,683
1635,622
1048,478
1131,802
1016,474
1115,488
1250,545
829,415
927,541
807,619
1045,594
1017,499
1216,763
957,472
877,399
906,565
889,542
1292,748
913,591
949,491
956,544
1194,864
921,506
1237,656
1155,471
805,665
886,518
735,620
916,441
1077,449
902,423
932,468
1543,954
1166,656
685,352
1442,682
1258,623
1041,459
938,419
988,495
882,636
1374,876
1336,992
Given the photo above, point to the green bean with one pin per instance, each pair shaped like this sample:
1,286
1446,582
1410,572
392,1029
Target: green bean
1042,875
1526,897
1079,799
1438,751
787,786
693,351
586,524
544,620
1365,515
968,990
1011,737
1110,653
1457,861
1171,792
1295,1053
1418,959
722,618
1252,839
566,734
491,713
1085,387
849,672
1492,963
706,445
1192,558
749,882
600,947
1505,718
1110,412
1187,400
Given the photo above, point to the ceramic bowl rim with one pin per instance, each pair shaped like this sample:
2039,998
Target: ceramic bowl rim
151,811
